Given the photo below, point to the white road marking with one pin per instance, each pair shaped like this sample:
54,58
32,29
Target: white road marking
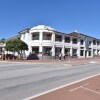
78,87
40,94
90,90
82,86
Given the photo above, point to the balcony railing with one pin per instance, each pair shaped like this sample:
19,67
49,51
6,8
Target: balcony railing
46,38
58,39
35,38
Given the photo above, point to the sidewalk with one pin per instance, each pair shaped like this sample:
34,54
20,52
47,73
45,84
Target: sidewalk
67,62
88,89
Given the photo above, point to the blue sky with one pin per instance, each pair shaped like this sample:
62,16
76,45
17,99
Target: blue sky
63,15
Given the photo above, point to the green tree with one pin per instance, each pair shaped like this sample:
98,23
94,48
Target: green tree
16,45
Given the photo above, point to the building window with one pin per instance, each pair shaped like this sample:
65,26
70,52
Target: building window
35,36
94,42
89,42
82,42
67,39
98,43
74,41
47,36
58,38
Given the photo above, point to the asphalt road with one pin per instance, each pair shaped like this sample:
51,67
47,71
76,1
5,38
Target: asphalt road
21,80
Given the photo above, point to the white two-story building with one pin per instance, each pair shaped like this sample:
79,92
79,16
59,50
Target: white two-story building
47,43
2,45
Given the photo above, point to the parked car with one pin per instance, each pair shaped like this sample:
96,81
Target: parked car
8,56
32,57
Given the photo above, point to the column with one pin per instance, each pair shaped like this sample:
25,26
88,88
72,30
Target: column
78,52
96,49
40,39
41,36
53,37
63,51
71,49
26,37
71,52
92,48
85,50
63,39
63,47
30,49
53,51
40,47
88,53
53,46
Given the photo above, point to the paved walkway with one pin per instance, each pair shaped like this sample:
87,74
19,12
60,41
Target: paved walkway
67,62
85,90
54,60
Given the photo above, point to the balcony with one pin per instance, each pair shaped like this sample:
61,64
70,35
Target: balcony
46,37
58,38
35,38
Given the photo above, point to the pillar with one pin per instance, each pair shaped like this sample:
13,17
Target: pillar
40,46
88,53
53,46
92,48
91,52
53,37
30,49
40,49
63,47
53,51
78,51
71,49
41,36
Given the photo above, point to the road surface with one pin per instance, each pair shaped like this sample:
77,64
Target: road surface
21,80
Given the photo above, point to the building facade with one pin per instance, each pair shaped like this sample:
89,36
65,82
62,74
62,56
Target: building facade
2,45
47,43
